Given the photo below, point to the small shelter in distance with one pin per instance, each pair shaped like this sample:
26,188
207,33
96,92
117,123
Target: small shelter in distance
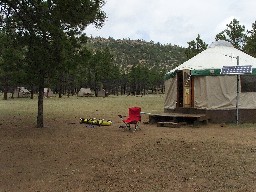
48,92
21,92
102,93
85,92
198,87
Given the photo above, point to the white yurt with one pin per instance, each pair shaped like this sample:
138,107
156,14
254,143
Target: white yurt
199,86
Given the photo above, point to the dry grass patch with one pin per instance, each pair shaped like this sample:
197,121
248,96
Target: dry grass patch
68,156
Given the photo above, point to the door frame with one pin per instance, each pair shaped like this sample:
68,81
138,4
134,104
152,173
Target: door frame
185,89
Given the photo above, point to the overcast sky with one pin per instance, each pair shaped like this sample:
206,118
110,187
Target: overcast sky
172,21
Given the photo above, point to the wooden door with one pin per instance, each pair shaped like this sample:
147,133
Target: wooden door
184,89
179,89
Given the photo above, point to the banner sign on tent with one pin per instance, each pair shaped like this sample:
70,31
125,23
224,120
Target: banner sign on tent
236,70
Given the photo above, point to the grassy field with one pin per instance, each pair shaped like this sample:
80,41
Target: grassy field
69,156
73,108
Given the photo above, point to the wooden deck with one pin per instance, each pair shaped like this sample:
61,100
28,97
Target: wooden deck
178,118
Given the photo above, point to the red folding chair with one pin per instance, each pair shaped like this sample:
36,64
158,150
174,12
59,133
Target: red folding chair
134,118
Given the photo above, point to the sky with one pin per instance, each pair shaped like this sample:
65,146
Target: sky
173,22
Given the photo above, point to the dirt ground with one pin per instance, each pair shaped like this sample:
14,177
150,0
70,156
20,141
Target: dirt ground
68,156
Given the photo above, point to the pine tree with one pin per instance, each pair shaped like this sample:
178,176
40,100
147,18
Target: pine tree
234,33
45,25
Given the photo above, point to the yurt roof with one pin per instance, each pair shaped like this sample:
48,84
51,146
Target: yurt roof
218,54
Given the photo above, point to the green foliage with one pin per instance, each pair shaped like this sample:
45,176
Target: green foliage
234,33
11,60
141,65
127,53
45,27
195,46
250,46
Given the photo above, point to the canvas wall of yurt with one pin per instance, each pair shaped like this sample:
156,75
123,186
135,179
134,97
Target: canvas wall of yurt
198,86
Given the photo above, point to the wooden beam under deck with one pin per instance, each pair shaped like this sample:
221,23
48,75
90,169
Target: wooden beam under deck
178,117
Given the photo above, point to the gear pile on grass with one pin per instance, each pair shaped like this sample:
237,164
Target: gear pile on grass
94,121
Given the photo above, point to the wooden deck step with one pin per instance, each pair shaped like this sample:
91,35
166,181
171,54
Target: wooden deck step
178,117
168,124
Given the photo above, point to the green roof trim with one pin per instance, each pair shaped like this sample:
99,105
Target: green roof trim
170,75
213,72
204,72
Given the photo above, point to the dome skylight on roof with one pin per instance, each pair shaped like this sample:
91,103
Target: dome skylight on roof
219,43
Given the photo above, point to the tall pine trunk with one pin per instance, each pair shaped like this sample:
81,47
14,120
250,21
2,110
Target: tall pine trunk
40,114
5,93
5,89
32,92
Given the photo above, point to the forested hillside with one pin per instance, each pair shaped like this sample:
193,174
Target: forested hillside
128,53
